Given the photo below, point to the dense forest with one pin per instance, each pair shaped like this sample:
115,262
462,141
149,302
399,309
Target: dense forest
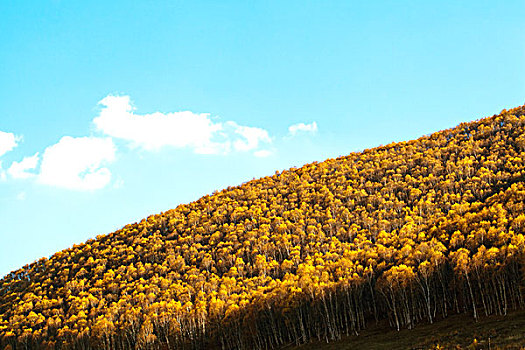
407,233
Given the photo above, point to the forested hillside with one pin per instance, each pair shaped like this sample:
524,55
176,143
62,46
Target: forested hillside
406,233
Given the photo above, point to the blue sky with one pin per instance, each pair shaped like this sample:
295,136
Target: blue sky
111,111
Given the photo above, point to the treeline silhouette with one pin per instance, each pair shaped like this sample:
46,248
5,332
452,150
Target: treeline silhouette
404,233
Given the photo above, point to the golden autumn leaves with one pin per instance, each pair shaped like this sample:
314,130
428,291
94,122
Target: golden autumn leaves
409,232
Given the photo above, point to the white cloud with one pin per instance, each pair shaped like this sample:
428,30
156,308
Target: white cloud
302,127
251,137
81,163
262,153
8,141
77,163
186,129
3,177
18,170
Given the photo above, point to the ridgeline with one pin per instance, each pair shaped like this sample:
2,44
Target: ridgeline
401,235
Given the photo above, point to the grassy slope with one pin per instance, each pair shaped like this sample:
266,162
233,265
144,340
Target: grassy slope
455,332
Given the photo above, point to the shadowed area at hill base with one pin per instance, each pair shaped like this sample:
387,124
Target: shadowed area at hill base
455,332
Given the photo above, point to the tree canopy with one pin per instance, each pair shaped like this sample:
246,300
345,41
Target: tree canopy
408,232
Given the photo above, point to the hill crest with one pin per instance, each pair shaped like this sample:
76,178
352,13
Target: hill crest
408,232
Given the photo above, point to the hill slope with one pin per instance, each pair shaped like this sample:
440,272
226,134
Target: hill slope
454,332
402,234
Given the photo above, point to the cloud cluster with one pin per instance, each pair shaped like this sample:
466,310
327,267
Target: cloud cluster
302,127
19,170
193,131
251,137
72,163
81,163
77,163
8,141
153,131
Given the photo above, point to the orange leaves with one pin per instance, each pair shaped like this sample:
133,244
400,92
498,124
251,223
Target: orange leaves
425,269
146,335
387,221
461,260
457,239
35,319
103,327
287,265
398,276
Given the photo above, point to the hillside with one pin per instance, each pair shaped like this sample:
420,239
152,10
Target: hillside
400,235
454,332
